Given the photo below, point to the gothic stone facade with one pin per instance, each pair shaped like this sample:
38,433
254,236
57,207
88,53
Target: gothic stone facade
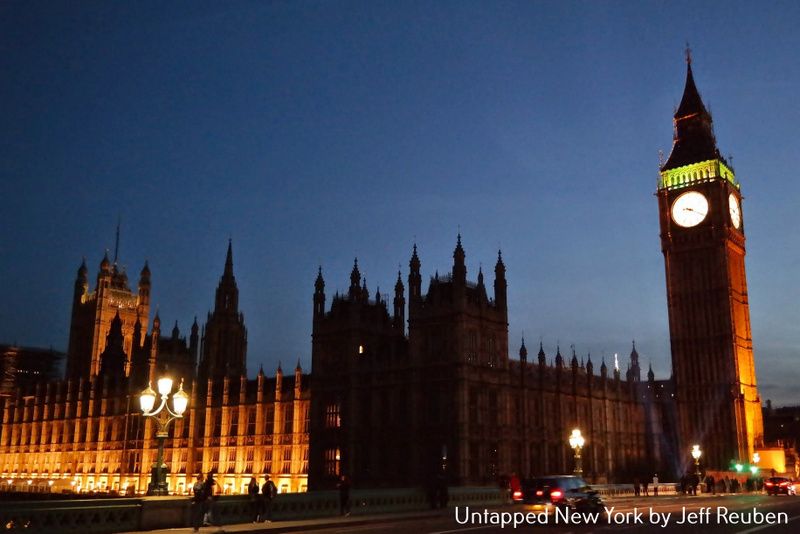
396,409
86,432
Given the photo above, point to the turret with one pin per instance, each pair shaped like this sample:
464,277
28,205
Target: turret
459,265
227,298
414,279
104,274
481,288
399,317
603,368
175,332
81,282
319,295
559,357
355,279
541,356
500,285
523,352
144,285
635,373
589,365
651,377
298,377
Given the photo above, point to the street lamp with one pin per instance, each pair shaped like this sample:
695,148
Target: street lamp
576,441
163,416
696,453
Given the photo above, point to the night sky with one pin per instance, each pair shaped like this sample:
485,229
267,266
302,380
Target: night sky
314,132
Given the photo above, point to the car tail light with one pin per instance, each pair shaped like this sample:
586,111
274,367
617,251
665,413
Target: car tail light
769,484
539,493
784,484
556,494
517,495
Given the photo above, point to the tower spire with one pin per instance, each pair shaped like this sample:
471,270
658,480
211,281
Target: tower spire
229,260
693,139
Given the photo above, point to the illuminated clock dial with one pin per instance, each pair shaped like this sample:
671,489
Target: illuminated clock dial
736,213
689,209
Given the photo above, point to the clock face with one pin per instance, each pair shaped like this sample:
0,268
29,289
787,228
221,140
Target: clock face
736,213
689,209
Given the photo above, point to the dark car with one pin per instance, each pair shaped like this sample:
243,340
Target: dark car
779,485
566,491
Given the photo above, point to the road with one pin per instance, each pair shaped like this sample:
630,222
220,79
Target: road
712,514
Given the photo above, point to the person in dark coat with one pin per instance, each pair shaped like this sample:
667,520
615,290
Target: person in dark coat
252,494
268,493
344,496
210,486
198,504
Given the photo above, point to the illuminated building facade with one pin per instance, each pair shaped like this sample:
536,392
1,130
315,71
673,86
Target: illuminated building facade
86,432
703,241
396,409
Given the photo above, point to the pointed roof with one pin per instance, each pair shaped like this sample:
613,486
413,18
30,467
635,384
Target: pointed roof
229,261
523,352
355,274
145,272
691,102
319,283
500,267
694,139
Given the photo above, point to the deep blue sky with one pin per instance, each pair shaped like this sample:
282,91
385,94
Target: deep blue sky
313,132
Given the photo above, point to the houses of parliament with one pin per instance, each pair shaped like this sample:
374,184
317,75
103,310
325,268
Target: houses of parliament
415,384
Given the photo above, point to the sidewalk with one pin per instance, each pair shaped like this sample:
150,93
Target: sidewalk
307,524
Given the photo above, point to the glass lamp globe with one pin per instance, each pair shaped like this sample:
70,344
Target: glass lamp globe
164,385
180,401
147,399
576,439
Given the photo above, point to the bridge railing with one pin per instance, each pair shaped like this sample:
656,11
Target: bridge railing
101,516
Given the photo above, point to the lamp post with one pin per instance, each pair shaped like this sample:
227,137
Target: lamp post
163,416
696,453
576,441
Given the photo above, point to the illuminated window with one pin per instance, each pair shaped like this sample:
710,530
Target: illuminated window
333,418
287,460
332,461
268,461
288,418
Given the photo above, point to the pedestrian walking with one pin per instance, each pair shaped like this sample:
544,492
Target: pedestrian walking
268,493
252,494
210,488
637,488
644,487
198,499
344,496
655,485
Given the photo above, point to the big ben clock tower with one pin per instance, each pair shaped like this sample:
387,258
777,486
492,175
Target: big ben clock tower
703,241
